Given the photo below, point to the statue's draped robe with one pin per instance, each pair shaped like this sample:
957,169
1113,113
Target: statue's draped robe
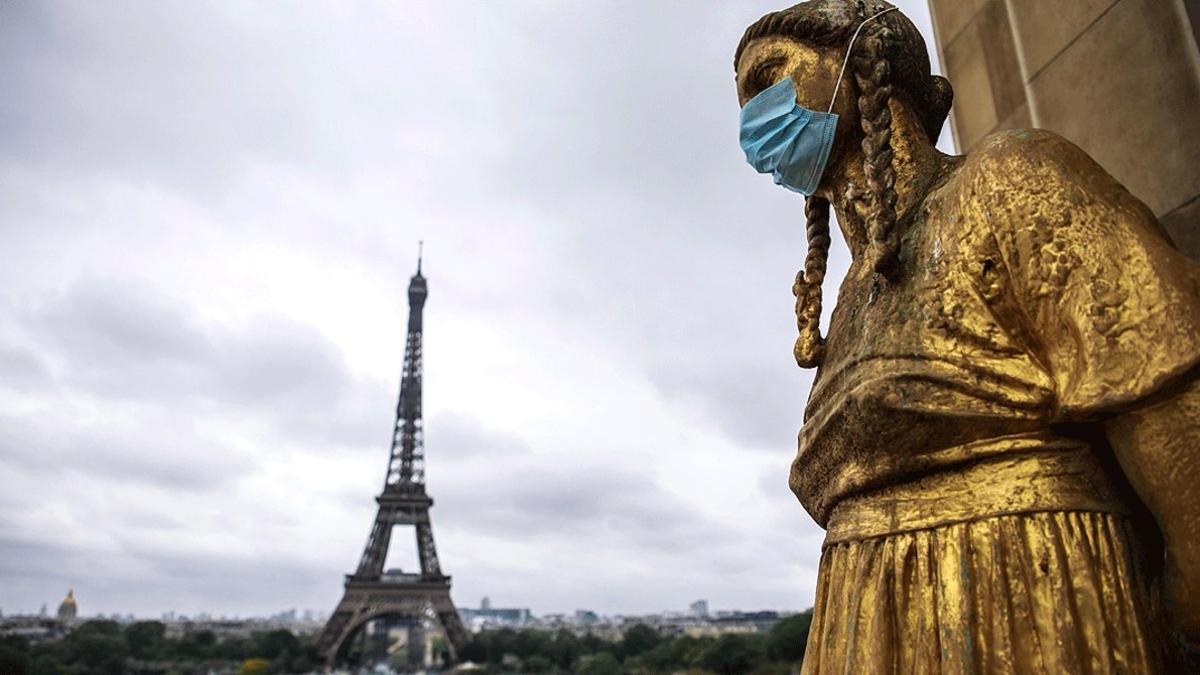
953,443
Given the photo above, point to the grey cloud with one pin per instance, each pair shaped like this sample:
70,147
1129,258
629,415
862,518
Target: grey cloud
22,561
124,341
23,368
146,91
104,328
528,495
754,403
774,483
655,549
149,584
457,435
118,452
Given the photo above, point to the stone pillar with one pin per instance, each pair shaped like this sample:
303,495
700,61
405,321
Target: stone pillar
1120,78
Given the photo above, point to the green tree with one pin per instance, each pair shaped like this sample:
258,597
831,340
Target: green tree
199,645
234,649
733,654
593,644
531,643
277,643
537,664
301,663
474,651
46,664
17,643
146,639
787,639
693,649
308,647
681,653
565,649
603,663
96,647
14,656
639,640
500,643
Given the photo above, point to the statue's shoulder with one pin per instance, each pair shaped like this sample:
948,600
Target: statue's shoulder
1033,184
1034,172
1017,155
1029,185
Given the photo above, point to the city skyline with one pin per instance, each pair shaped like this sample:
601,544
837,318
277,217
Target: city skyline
208,216
313,614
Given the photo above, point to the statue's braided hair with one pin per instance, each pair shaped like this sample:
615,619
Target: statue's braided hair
810,346
872,73
889,57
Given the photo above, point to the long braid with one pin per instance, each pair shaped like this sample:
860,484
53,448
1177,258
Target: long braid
810,346
873,74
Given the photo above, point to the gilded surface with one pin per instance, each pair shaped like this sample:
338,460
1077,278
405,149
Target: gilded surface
1002,437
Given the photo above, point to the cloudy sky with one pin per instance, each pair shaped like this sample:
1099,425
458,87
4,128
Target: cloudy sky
209,212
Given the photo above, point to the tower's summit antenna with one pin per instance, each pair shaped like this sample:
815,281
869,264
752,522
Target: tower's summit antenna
420,254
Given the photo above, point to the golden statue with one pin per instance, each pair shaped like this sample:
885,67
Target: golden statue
1002,436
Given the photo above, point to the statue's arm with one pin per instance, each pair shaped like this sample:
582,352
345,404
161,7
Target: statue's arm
1158,447
1114,314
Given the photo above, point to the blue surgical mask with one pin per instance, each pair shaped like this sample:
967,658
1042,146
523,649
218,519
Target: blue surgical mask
788,140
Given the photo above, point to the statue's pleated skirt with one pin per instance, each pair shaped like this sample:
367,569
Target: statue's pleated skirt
1054,592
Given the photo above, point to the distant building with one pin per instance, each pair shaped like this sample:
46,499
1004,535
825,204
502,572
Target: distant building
761,621
495,617
586,617
716,629
33,628
699,608
67,609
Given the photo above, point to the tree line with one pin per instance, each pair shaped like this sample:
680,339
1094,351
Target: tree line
104,647
641,650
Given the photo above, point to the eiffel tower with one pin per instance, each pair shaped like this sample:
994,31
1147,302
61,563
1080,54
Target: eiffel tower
394,598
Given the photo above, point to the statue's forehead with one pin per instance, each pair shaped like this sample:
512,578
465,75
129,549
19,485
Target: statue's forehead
776,47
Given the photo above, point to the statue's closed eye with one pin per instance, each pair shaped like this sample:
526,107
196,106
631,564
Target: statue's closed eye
763,75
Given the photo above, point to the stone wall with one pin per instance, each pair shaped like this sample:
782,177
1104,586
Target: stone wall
1120,78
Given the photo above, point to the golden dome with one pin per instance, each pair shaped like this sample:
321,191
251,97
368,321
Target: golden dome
67,610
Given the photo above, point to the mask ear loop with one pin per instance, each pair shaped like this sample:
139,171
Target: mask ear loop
850,48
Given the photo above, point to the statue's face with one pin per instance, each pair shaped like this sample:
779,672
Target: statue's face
768,60
814,73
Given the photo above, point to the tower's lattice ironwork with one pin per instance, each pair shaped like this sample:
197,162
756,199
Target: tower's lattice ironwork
410,599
